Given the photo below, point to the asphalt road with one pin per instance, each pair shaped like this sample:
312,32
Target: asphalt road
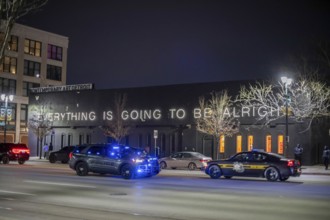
53,191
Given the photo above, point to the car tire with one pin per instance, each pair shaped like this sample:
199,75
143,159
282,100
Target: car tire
127,172
21,161
163,165
284,178
271,174
52,158
5,159
82,169
192,166
64,161
215,172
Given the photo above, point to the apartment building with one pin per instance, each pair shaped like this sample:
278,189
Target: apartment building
34,58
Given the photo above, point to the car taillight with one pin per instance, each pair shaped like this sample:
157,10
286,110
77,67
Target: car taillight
290,163
70,155
19,150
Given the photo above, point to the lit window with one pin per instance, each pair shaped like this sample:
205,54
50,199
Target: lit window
239,143
32,47
54,52
280,144
222,144
268,143
9,65
13,43
250,142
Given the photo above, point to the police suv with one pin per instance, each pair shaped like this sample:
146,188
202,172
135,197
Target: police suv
121,160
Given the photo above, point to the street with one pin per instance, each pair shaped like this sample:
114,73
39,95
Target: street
53,191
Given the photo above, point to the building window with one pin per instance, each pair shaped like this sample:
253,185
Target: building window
280,143
13,43
54,52
238,143
81,139
11,115
24,117
70,137
9,65
88,138
8,86
24,113
268,143
32,47
250,142
54,72
62,140
31,68
222,144
27,86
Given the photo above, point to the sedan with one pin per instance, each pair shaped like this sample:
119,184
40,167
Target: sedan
255,163
186,159
61,155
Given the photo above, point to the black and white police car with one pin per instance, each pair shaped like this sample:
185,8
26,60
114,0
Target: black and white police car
255,163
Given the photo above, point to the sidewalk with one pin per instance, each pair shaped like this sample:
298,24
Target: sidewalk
306,170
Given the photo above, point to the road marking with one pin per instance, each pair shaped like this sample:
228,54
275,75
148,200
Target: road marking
6,208
59,184
20,193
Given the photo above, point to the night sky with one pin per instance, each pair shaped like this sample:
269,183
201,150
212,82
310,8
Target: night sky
132,43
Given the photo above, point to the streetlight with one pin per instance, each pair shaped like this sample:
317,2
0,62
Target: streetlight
286,81
5,98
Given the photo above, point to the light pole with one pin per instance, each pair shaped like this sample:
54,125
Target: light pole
5,98
286,81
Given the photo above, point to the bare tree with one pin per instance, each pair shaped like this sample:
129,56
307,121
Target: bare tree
10,12
308,99
116,128
40,124
215,120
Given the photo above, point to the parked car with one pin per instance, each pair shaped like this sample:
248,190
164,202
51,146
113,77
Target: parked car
14,152
62,154
186,159
121,160
255,163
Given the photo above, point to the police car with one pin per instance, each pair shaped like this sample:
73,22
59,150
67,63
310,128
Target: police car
255,163
121,160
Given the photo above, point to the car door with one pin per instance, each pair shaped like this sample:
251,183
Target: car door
257,164
175,160
111,160
186,159
96,159
236,165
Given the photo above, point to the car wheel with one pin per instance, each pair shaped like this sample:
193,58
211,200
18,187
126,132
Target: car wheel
21,161
163,165
284,178
127,172
52,158
5,159
271,173
81,169
214,171
192,166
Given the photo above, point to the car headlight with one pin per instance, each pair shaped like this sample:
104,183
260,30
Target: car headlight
136,160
